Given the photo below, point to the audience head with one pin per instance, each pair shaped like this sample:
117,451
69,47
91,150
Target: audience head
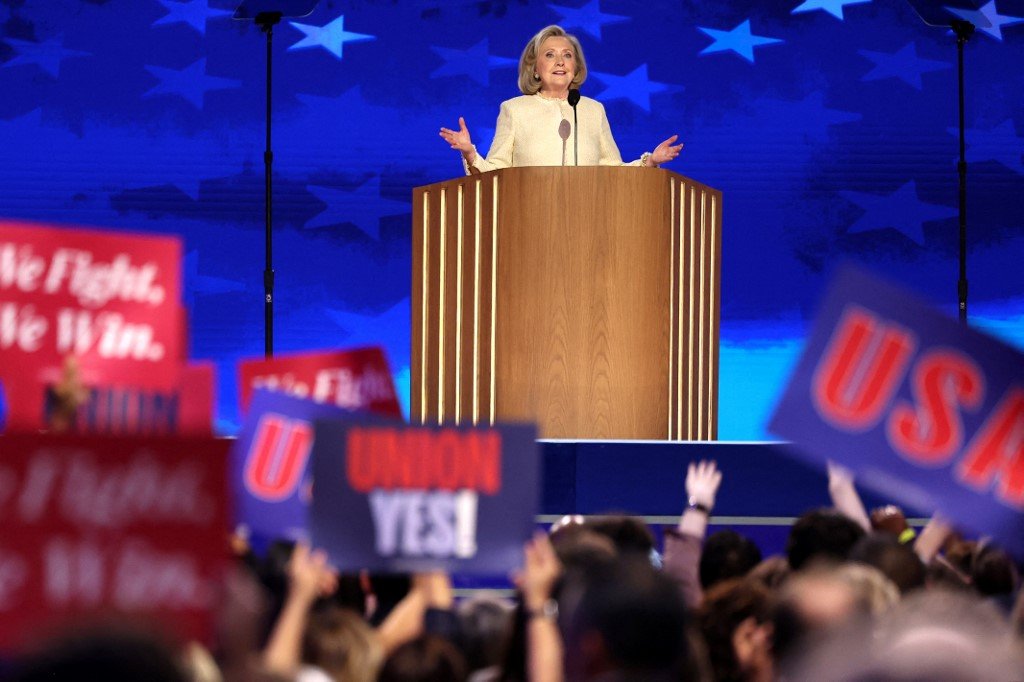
727,554
993,572
810,604
339,642
101,655
630,535
772,572
427,658
485,623
932,636
629,619
896,560
734,621
821,534
874,592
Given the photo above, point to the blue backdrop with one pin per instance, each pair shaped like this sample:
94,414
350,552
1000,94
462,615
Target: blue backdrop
830,126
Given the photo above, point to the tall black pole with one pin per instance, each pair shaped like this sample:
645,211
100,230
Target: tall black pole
963,30
266,21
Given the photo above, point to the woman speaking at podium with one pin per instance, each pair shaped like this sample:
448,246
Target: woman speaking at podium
535,129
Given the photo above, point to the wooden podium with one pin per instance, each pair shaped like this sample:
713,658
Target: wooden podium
583,299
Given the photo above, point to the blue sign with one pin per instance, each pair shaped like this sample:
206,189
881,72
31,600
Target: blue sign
399,498
270,472
923,409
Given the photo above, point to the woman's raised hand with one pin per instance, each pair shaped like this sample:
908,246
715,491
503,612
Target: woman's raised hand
666,151
458,139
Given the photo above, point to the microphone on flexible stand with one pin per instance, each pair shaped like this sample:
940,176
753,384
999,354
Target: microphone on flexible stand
574,99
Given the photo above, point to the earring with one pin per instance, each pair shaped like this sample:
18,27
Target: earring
536,76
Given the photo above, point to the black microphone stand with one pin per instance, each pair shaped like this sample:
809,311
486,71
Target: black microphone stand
267,14
937,13
574,99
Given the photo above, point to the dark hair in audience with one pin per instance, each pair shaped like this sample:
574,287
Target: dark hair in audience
639,615
821,534
898,562
727,554
484,624
725,606
427,658
993,572
628,533
108,655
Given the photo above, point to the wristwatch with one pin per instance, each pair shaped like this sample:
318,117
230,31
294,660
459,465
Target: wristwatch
548,610
692,503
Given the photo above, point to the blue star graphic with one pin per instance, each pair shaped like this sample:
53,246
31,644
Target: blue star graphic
634,86
588,18
360,330
901,211
1000,144
192,83
331,37
987,15
475,62
195,13
362,207
204,285
833,7
903,64
740,40
47,55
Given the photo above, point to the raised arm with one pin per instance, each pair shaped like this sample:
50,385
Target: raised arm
683,545
309,577
541,569
844,496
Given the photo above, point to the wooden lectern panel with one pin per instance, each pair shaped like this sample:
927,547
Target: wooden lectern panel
584,299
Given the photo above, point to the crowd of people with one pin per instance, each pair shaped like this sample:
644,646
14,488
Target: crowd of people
855,596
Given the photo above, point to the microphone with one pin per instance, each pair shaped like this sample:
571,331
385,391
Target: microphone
574,99
563,132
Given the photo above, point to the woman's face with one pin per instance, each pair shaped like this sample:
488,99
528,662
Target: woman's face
556,65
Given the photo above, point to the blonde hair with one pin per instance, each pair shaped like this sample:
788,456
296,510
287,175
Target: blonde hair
528,85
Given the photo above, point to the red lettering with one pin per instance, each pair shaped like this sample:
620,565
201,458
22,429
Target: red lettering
360,460
860,370
277,458
998,449
423,459
929,431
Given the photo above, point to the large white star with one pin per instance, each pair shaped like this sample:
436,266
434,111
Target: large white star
634,86
331,37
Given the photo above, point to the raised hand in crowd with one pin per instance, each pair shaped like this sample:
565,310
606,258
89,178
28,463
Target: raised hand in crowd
536,582
844,495
702,481
309,577
683,545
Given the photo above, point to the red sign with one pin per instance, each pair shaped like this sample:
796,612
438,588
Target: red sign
357,379
93,527
111,300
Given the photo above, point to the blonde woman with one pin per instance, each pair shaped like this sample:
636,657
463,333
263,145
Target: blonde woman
535,129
